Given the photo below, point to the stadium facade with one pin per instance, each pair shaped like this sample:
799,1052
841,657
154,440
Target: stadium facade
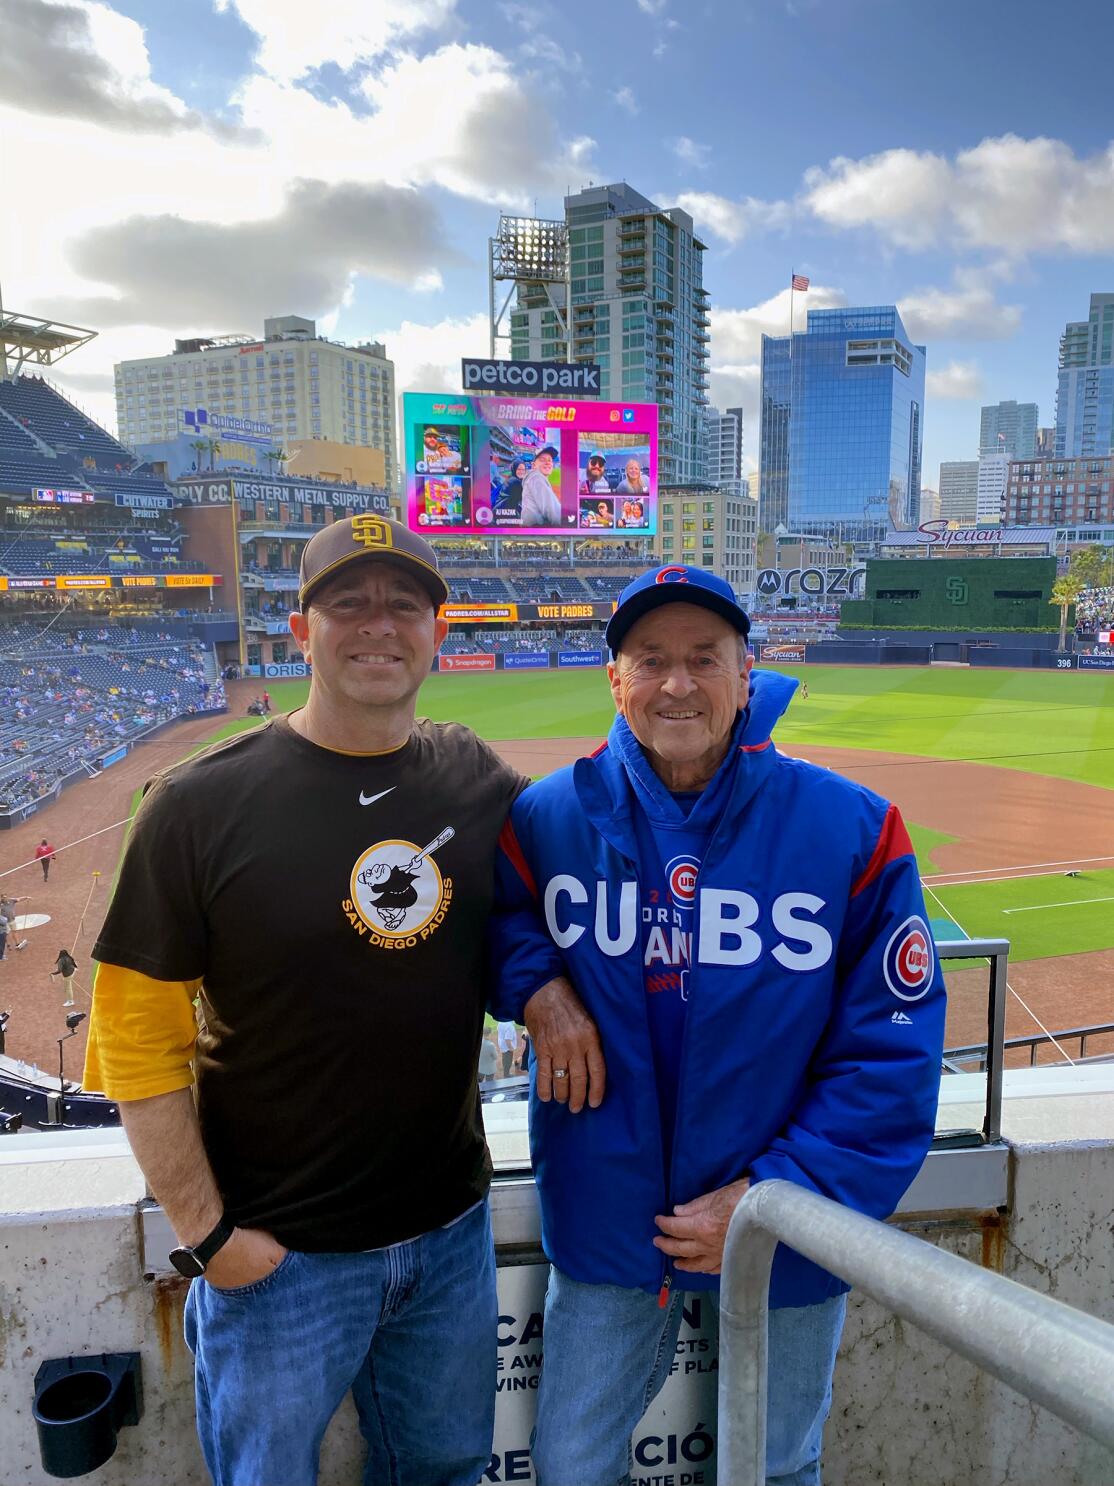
842,431
283,390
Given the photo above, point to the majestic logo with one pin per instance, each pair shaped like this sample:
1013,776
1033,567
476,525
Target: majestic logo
398,894
672,575
371,799
908,961
680,874
372,531
899,1019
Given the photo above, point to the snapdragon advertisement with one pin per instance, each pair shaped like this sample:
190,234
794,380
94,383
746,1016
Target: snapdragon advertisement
532,467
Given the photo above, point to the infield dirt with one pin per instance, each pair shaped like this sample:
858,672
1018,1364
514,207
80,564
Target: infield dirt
1003,818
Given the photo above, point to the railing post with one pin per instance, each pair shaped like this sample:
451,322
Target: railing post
995,1047
743,1337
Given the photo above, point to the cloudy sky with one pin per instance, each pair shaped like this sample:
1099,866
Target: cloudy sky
189,168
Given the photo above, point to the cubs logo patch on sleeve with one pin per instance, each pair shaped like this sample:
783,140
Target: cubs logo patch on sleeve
909,960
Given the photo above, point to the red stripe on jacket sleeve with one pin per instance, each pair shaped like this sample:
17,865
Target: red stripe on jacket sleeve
893,843
509,843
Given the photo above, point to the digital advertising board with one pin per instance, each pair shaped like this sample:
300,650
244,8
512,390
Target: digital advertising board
491,466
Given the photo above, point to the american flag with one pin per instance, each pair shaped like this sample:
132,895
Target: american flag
800,282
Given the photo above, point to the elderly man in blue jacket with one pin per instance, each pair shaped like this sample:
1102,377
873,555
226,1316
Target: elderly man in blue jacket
748,937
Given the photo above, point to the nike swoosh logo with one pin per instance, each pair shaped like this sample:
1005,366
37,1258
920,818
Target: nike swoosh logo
371,799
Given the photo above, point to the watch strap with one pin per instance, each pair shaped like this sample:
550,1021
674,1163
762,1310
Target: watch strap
204,1251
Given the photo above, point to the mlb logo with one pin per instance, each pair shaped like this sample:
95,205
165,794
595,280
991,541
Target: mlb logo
628,415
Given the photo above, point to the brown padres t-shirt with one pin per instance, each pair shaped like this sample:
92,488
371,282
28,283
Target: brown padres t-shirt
334,906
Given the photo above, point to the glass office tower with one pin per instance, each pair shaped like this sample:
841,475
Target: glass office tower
842,425
1085,385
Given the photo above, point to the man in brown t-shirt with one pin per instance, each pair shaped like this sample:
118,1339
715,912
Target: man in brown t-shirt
330,1204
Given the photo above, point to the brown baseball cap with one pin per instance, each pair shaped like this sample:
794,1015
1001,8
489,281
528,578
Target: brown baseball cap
361,538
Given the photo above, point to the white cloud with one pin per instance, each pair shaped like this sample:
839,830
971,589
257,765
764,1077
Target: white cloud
690,153
959,380
84,60
652,7
728,220
427,357
1010,194
967,311
737,334
625,99
294,38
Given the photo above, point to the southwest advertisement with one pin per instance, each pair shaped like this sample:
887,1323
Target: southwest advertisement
482,466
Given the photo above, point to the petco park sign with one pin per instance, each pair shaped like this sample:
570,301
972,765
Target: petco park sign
538,377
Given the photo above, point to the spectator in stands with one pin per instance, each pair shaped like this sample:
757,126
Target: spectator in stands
633,481
792,1067
44,855
595,481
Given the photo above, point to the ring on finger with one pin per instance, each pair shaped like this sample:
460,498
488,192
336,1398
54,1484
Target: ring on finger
560,1073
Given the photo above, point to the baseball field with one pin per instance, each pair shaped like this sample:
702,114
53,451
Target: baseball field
1006,779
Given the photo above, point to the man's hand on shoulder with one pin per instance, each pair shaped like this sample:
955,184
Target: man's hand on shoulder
248,1257
697,1231
565,1037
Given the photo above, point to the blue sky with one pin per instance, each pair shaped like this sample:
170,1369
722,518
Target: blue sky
350,162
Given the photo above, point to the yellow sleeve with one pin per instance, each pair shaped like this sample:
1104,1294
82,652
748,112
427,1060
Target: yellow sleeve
141,1034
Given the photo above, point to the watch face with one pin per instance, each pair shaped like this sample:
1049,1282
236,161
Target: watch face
186,1262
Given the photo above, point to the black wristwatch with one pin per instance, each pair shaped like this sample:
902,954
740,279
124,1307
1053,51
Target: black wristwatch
193,1262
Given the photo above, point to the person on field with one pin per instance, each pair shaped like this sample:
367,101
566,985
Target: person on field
330,1208
748,933
44,855
65,966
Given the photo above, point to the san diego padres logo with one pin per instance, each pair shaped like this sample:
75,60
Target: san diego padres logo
908,962
680,875
398,894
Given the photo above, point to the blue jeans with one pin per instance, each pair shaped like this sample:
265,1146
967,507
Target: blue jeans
410,1329
608,1352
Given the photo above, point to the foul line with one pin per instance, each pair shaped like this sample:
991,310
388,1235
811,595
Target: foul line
1009,988
1039,907
1023,867
34,861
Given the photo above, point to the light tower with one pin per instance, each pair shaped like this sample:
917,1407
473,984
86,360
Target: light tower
532,254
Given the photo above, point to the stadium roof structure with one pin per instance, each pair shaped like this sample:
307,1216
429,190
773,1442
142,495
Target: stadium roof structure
31,338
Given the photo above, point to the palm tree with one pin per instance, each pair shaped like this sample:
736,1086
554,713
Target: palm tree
214,450
1065,592
199,446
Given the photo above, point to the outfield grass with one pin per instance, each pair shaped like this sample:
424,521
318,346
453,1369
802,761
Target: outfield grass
1043,722
1041,916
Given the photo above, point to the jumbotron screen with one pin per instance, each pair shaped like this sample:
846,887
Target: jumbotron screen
481,466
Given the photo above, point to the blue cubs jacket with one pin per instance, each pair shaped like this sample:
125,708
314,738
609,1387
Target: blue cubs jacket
815,1020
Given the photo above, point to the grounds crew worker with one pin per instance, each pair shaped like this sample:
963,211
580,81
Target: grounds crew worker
748,932
334,1203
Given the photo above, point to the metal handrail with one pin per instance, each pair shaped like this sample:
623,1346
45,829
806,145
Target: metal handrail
997,952
975,1052
1047,1351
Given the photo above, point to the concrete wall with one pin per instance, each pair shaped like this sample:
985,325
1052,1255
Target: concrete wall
905,1410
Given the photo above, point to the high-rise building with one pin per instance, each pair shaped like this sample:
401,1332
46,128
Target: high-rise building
1062,492
1085,386
723,434
990,490
709,528
930,504
842,425
959,489
1046,441
303,386
639,312
1009,428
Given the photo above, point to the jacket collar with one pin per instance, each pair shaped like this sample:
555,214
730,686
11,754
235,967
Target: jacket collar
617,778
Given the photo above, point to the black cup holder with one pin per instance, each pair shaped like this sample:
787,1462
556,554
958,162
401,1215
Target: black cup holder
80,1405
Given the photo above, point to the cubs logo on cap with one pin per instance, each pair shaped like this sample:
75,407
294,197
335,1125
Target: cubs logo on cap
678,583
909,961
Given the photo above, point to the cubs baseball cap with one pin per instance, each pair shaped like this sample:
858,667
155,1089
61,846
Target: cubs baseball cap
360,539
675,584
